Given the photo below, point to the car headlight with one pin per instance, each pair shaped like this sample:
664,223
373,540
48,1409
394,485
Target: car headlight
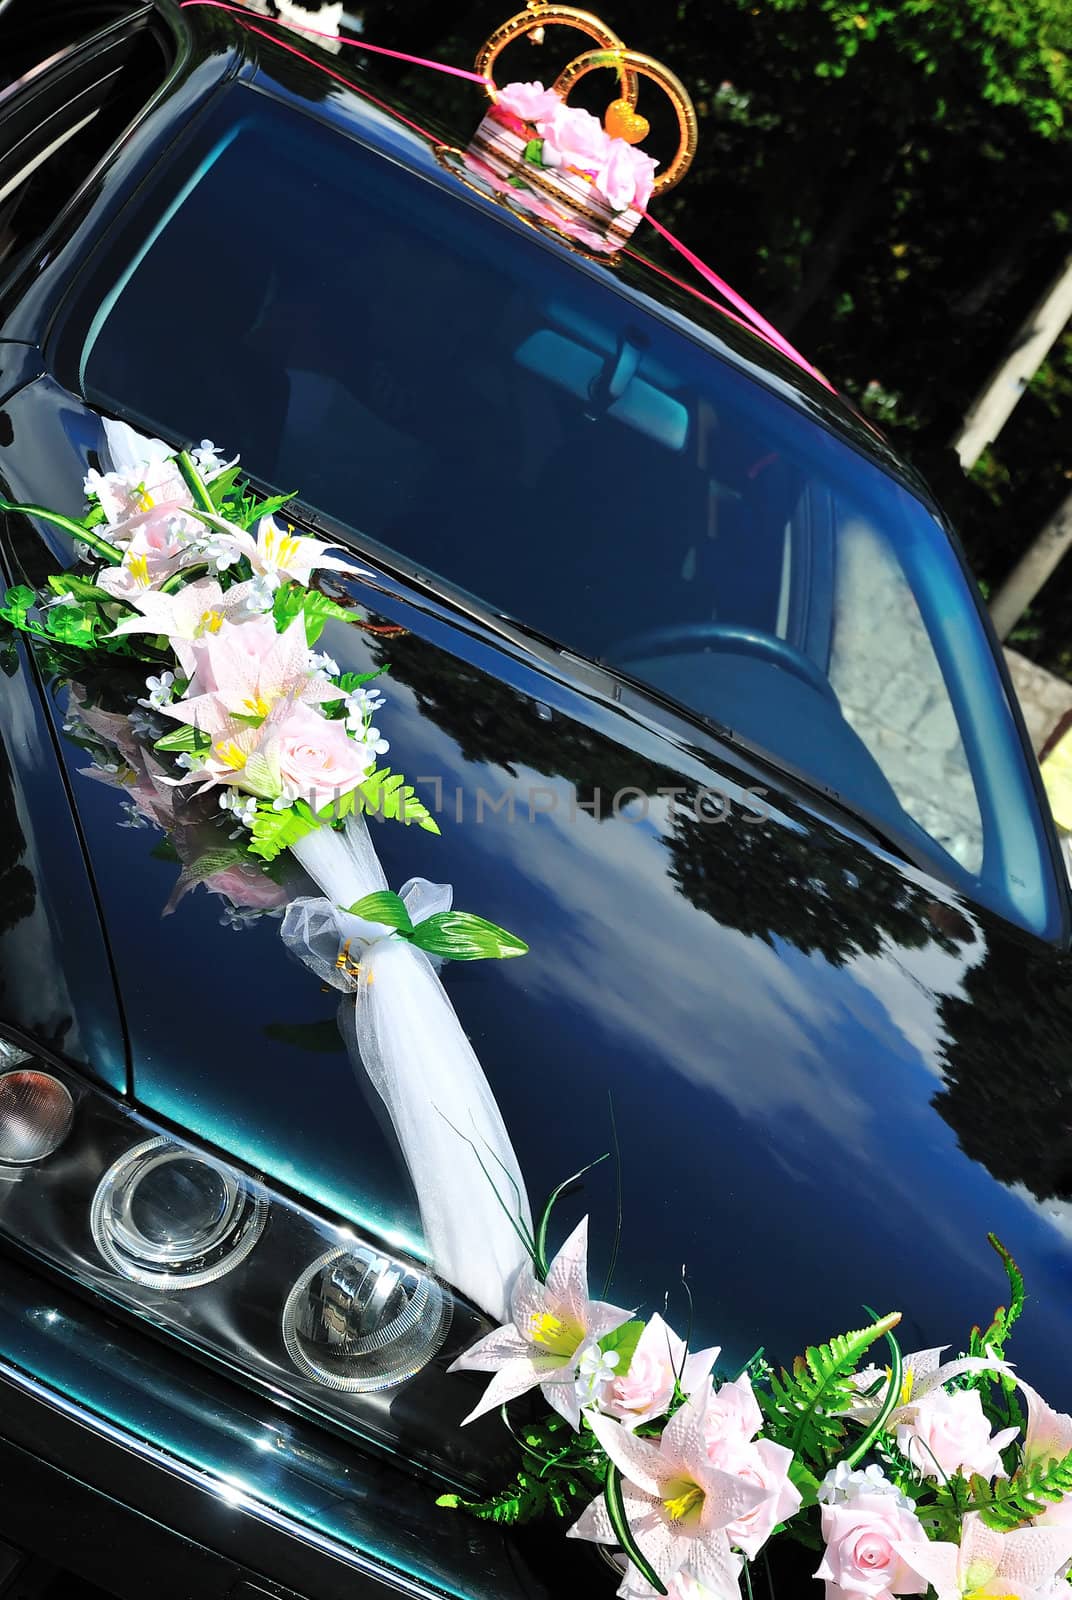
320,1317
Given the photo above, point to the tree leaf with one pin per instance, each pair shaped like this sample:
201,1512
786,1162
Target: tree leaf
460,936
384,906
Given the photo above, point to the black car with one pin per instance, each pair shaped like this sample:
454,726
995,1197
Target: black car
692,672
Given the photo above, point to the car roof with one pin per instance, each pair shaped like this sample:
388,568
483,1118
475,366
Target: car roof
299,70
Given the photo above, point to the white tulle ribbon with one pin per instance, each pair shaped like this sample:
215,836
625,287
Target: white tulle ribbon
399,1024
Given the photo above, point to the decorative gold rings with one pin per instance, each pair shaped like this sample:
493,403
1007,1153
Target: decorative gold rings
633,64
537,17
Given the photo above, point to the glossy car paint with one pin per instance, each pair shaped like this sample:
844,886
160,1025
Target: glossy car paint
830,1076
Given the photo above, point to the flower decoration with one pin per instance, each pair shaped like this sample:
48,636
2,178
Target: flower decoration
554,1324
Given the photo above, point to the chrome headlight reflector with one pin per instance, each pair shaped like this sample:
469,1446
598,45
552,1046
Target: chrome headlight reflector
317,1315
171,1219
358,1321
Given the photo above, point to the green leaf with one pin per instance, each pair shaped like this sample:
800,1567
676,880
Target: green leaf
804,1480
531,1495
534,152
539,1252
292,599
1007,1503
81,589
101,547
222,487
624,1340
460,936
892,1398
612,1494
194,481
387,794
349,681
275,831
72,625
190,740
384,906
805,1407
18,601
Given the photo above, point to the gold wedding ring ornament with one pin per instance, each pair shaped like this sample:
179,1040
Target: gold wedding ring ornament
611,53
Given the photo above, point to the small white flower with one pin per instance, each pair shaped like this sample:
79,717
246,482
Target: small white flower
321,662
841,1485
595,1370
261,596
242,806
161,691
374,743
133,815
209,459
190,761
221,552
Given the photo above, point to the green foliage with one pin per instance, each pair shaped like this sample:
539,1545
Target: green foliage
562,1472
18,602
805,1408
1009,1502
615,1501
387,794
624,1340
384,906
460,936
275,831
291,599
534,152
186,738
992,1340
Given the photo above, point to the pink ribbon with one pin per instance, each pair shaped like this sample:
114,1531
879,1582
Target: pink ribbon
356,44
749,318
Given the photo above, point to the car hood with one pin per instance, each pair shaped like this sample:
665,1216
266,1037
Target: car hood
826,1077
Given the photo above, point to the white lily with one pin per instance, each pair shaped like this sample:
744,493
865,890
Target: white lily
277,553
1023,1565
554,1323
922,1373
678,1504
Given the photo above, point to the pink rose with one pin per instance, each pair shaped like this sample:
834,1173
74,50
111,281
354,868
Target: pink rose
529,102
247,888
860,1561
317,760
949,1433
645,1390
766,1465
626,177
572,137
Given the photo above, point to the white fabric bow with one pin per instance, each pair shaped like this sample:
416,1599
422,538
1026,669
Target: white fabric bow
397,1020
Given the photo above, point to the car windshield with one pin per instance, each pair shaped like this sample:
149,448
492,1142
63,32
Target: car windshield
455,390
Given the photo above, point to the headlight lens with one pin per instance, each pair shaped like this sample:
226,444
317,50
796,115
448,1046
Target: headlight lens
358,1321
320,1319
172,1219
36,1112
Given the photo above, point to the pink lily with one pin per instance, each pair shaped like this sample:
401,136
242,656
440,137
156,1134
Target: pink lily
1049,1438
248,667
1023,1565
923,1372
554,1323
678,1504
196,609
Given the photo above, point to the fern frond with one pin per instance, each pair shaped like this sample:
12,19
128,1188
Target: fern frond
275,831
387,794
1009,1502
992,1340
805,1408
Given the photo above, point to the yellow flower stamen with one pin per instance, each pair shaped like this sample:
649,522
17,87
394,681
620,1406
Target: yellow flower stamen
545,1327
231,754
257,705
907,1386
682,1505
145,501
138,567
279,548
210,622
